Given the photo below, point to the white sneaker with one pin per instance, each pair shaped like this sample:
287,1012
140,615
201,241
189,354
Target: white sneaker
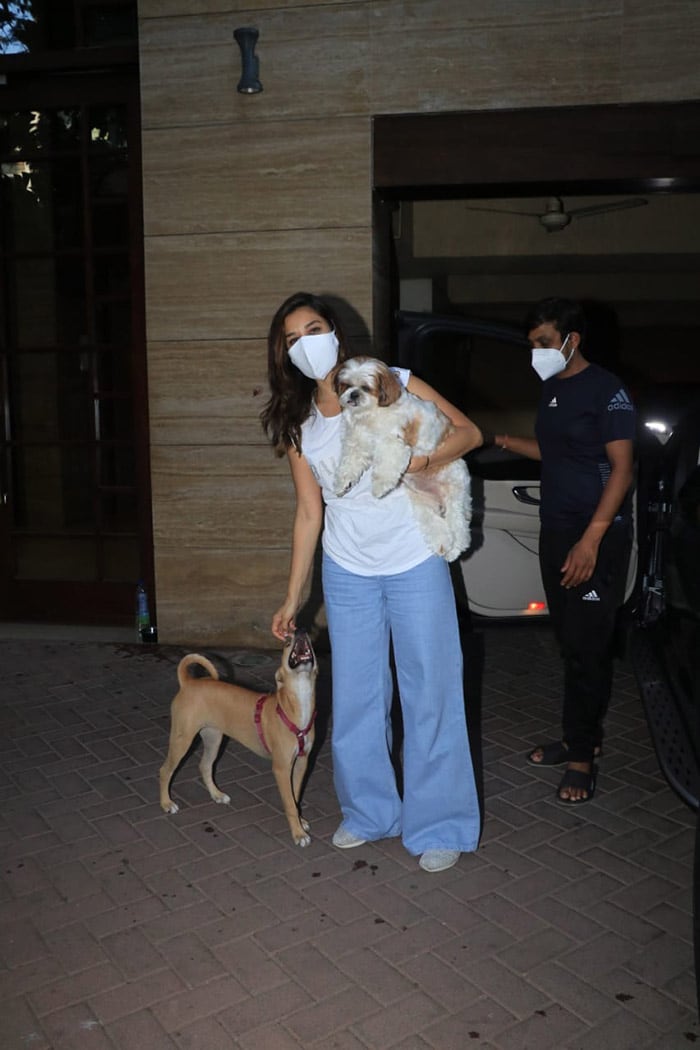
438,859
345,839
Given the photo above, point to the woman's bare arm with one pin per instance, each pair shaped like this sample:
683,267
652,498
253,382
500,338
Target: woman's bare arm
465,436
308,519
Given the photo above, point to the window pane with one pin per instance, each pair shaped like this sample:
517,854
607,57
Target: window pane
111,274
486,377
51,397
107,128
110,224
502,386
35,131
49,306
109,24
117,466
37,25
33,26
120,558
113,372
109,177
116,420
113,323
53,490
119,513
42,206
56,557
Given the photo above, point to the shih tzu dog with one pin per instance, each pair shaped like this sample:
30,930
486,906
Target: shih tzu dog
383,426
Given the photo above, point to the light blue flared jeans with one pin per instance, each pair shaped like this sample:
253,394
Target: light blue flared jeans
416,611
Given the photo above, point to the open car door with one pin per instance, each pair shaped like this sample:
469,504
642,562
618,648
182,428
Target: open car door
483,369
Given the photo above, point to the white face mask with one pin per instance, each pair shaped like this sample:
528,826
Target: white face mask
548,361
315,355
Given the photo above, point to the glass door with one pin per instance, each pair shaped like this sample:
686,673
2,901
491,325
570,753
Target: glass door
74,488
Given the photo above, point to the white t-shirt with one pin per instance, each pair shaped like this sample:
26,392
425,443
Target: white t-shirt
363,534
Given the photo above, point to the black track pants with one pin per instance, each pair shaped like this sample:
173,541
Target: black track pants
584,624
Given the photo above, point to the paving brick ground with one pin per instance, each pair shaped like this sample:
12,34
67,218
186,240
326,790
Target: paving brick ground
123,928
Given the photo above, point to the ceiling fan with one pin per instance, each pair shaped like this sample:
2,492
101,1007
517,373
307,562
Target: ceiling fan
555,217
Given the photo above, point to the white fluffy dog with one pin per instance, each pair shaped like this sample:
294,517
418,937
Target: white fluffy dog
383,426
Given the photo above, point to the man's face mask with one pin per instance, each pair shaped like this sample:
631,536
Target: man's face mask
315,355
548,361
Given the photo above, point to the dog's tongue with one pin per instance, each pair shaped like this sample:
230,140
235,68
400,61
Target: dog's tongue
301,652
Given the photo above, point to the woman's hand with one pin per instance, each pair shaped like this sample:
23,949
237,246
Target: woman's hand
417,464
283,622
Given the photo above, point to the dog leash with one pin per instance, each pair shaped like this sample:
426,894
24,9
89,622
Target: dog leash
300,734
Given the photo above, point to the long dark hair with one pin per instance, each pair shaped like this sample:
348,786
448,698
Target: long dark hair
291,392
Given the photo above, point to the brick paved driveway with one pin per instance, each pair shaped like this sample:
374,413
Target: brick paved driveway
123,928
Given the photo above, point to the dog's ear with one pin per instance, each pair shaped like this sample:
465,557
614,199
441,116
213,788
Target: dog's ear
388,387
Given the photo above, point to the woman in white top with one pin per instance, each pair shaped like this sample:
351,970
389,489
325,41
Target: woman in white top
382,587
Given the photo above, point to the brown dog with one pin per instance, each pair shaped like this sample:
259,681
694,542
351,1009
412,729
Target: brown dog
279,725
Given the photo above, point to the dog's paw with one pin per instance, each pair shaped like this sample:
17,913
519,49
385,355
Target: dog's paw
383,486
345,480
302,836
222,799
171,807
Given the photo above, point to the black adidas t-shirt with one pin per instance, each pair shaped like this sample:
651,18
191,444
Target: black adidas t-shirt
575,420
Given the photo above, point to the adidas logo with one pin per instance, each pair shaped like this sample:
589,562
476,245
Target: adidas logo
620,401
553,403
592,596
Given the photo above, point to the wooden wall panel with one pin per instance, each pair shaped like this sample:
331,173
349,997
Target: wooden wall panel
227,286
207,497
243,12
206,179
207,393
659,53
485,55
314,61
220,597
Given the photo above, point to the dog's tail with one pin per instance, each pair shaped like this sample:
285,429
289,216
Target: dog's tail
194,658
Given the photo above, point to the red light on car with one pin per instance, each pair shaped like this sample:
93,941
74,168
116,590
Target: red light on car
535,607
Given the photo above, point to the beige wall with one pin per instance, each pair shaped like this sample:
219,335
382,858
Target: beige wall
249,198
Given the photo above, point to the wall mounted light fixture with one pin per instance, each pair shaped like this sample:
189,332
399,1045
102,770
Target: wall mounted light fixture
246,38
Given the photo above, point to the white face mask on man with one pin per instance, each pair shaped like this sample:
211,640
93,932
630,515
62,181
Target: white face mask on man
315,355
548,361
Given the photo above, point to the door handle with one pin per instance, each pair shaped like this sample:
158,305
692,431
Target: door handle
522,494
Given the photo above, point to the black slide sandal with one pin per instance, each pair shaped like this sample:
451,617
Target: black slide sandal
575,778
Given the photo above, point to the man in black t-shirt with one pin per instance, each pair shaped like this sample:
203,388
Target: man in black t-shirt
585,432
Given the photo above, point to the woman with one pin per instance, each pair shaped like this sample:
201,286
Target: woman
382,585
585,430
